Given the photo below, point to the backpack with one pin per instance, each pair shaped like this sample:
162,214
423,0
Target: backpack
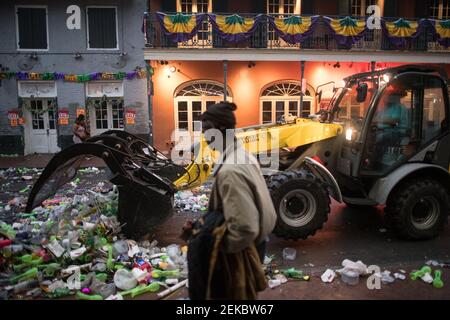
199,252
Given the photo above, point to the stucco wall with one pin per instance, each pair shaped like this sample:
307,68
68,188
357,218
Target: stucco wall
246,85
63,44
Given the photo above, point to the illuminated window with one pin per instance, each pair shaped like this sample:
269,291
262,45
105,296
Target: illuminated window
194,6
359,7
204,36
283,98
281,8
440,9
192,99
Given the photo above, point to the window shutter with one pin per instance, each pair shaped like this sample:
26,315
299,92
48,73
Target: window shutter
32,24
344,7
220,6
102,28
260,6
423,8
390,8
307,7
168,5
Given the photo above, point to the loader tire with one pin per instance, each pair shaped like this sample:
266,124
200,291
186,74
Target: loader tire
418,209
301,201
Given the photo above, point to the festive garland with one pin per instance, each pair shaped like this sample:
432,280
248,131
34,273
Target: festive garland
25,104
91,101
86,77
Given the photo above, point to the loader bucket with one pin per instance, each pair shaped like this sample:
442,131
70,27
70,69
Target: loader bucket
142,174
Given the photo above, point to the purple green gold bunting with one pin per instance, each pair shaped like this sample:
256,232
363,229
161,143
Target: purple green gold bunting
180,27
401,31
347,31
293,29
234,28
441,31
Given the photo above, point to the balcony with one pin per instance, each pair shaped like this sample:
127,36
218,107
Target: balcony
265,37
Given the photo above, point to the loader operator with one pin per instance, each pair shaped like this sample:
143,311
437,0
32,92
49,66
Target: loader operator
393,124
241,194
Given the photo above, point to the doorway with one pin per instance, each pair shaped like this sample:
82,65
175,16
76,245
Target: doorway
40,126
106,114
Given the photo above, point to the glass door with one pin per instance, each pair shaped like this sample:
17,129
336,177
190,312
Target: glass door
204,36
106,115
40,124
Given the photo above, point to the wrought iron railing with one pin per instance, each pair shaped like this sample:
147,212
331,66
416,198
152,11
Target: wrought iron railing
265,38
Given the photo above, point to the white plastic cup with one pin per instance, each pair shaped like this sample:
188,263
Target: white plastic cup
289,253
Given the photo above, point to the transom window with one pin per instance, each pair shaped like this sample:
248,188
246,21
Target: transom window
359,7
283,99
202,89
440,9
193,99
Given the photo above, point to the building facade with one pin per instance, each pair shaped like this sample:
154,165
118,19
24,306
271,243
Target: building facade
268,75
63,58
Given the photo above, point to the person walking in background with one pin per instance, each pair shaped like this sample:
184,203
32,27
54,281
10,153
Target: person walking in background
80,132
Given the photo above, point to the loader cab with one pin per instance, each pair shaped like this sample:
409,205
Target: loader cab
390,118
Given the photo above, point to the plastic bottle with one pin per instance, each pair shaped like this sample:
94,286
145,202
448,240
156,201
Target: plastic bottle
293,273
420,273
124,280
120,247
165,273
25,285
103,289
16,248
30,274
31,259
82,296
357,266
110,262
50,269
58,293
5,243
101,276
152,287
437,281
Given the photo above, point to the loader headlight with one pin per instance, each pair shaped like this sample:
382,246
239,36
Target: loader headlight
349,134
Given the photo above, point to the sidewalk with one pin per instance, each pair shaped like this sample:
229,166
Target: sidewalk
40,161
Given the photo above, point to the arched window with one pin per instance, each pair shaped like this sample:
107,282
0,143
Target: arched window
192,98
283,98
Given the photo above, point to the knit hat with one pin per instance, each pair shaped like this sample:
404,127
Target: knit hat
221,115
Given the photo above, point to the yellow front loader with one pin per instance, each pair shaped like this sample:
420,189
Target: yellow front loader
383,140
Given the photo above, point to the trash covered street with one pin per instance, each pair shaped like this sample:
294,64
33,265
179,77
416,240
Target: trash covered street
71,248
